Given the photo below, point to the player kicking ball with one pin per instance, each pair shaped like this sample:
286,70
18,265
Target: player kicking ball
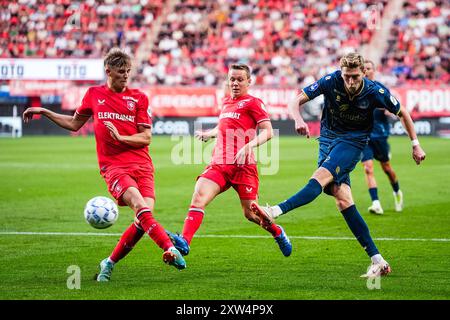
122,127
347,120
233,163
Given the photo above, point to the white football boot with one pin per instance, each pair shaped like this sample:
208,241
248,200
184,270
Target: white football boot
264,213
398,201
376,208
377,270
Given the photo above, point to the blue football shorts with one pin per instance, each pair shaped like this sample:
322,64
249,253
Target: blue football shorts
340,158
377,149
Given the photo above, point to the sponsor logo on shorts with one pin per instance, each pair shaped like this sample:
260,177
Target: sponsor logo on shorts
249,190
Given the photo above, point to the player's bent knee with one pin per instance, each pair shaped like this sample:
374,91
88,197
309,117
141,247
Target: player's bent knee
199,199
368,169
343,204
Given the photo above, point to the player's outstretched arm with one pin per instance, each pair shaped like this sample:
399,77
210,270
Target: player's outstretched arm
264,135
294,107
418,153
138,140
72,123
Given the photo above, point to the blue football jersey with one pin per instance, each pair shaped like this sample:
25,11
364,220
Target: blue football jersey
381,126
350,117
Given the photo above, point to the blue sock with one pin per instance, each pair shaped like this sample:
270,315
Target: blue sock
309,192
373,193
395,186
360,230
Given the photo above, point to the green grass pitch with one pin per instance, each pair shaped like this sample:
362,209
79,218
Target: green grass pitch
45,182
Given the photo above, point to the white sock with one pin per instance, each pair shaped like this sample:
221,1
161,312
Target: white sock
276,211
376,203
376,258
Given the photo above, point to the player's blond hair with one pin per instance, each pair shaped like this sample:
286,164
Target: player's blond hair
352,60
241,66
117,58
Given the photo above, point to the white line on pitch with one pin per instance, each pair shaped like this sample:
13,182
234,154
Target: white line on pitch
105,234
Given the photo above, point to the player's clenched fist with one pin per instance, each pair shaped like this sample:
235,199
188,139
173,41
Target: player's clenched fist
418,154
29,112
302,128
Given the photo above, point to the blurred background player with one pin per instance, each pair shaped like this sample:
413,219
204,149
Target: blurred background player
122,127
346,123
378,148
233,163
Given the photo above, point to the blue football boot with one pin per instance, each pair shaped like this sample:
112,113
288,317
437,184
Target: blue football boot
106,269
284,243
174,258
179,242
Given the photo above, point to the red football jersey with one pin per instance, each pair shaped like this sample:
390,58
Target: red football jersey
126,110
238,122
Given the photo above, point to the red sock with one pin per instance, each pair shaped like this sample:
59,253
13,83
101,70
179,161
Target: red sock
192,222
153,228
274,229
127,241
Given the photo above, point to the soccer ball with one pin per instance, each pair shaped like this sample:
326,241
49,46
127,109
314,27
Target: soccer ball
101,212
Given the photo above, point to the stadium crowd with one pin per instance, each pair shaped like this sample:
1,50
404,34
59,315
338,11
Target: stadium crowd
69,29
284,41
288,43
418,49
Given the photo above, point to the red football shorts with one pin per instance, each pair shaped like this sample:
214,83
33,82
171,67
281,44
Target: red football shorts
244,179
119,179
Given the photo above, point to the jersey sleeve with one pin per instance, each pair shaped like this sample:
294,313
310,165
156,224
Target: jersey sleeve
386,100
85,109
144,113
317,88
258,111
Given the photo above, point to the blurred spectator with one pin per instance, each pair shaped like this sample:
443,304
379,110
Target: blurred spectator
65,28
419,45
285,42
282,40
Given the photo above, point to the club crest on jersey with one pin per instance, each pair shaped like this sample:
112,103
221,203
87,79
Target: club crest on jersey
131,105
242,103
364,104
